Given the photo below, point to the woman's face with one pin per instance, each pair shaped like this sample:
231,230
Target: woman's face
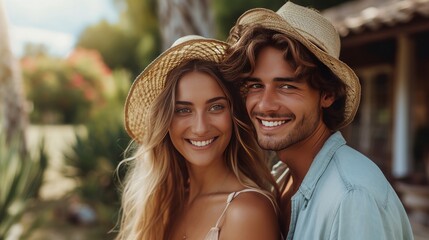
201,127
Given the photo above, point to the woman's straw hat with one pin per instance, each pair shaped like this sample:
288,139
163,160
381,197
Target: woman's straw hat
150,83
317,34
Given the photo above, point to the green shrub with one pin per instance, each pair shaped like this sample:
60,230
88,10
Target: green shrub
94,157
20,180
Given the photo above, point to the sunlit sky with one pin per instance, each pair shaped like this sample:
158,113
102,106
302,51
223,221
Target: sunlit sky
54,23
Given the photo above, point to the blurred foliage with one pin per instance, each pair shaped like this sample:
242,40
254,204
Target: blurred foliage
132,43
142,18
93,158
66,90
117,46
141,15
135,41
20,179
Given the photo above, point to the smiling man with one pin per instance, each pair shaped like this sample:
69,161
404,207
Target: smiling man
299,95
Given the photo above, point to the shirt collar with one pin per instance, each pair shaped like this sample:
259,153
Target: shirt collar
320,163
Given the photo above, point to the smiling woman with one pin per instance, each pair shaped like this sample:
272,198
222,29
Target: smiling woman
195,153
54,24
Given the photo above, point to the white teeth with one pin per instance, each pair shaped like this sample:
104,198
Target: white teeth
201,143
272,123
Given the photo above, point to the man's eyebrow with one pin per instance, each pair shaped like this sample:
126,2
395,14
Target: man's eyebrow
285,79
277,79
251,79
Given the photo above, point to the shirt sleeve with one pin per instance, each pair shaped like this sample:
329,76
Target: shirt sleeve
359,216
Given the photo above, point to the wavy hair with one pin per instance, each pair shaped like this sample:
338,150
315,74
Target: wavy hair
157,179
241,57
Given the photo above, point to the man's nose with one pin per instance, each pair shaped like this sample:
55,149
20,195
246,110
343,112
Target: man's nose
268,100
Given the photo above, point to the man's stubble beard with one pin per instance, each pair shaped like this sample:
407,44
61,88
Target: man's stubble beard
299,133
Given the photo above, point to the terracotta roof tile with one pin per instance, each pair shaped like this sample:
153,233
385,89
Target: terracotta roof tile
356,16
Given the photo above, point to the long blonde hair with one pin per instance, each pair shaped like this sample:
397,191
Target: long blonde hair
157,178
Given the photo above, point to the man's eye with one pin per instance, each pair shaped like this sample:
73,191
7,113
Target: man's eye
287,86
254,85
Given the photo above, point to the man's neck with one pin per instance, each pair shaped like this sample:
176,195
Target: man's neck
299,156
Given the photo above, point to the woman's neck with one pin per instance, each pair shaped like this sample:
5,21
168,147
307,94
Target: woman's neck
211,180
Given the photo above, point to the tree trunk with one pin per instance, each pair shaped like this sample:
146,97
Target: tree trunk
178,18
13,118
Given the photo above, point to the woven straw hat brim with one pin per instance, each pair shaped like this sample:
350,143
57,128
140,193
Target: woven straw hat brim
271,20
150,83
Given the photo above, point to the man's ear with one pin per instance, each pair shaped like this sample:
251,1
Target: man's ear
327,99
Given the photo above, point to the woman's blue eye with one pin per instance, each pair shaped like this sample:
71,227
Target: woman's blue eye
216,107
182,110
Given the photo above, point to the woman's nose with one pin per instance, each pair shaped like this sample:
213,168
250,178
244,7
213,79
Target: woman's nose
200,124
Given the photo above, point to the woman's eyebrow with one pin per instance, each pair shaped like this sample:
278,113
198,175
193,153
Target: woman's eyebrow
216,99
211,100
183,103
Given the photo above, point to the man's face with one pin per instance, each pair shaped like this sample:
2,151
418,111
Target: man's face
285,110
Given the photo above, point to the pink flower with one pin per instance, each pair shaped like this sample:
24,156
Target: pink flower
77,80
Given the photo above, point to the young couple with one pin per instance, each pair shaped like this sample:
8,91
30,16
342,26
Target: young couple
203,110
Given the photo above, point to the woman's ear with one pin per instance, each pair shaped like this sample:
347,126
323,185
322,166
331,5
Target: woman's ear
327,99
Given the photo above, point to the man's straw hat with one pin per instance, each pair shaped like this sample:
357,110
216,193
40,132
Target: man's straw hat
150,83
317,34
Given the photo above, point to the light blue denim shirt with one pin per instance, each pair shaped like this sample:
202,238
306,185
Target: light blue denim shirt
345,196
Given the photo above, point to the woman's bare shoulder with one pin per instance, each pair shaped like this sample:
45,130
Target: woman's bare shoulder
253,203
251,215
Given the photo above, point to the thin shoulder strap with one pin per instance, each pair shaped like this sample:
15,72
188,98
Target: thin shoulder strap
233,195
260,192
